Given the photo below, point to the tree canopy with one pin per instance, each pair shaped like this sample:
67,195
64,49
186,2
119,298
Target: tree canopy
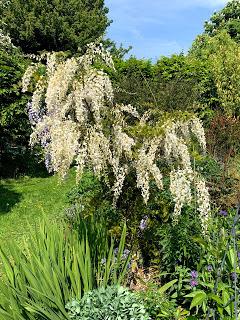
53,25
228,18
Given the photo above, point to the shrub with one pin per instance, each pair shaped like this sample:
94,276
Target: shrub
176,242
114,141
158,305
14,123
111,303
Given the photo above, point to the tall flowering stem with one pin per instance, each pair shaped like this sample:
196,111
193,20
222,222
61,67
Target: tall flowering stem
75,119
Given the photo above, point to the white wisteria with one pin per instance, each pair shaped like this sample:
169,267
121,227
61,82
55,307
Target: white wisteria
75,119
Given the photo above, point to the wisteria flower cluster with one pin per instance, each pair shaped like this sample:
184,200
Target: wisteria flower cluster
75,119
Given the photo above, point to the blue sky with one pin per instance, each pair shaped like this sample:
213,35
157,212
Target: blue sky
158,27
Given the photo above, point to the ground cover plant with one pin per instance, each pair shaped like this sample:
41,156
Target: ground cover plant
119,177
110,303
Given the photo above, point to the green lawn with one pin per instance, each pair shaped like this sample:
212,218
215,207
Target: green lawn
26,200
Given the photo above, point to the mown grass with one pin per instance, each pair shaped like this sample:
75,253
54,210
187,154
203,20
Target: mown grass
26,200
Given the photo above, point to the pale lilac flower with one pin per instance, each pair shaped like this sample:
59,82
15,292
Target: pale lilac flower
48,162
223,213
125,254
209,268
234,276
34,116
194,274
143,223
193,283
44,136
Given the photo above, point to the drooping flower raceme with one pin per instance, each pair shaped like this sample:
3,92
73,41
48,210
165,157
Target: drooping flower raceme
74,118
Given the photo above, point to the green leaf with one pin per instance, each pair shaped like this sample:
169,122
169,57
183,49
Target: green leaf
198,299
193,294
167,286
215,298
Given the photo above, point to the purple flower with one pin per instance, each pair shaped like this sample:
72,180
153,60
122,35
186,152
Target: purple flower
234,276
125,254
33,115
194,274
129,265
143,223
115,251
48,162
209,268
193,283
45,137
223,213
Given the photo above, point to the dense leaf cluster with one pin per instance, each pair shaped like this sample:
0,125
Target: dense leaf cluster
228,19
53,25
112,303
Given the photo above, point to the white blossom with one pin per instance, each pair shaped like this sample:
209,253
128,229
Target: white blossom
203,201
180,187
80,123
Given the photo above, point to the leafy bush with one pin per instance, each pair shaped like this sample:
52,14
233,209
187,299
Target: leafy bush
91,197
176,242
111,303
54,266
170,84
157,305
14,123
222,180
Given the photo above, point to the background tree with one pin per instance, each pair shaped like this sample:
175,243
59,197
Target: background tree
53,25
170,84
228,18
220,56
14,124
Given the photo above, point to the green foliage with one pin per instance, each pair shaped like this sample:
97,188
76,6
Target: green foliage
222,184
91,199
208,291
160,243
91,196
117,52
110,303
223,137
225,19
176,243
157,305
14,124
220,55
53,25
55,265
224,62
170,84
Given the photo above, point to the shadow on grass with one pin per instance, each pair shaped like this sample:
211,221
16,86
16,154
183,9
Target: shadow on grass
8,199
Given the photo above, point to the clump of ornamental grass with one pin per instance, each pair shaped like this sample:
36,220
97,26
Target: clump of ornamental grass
75,119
